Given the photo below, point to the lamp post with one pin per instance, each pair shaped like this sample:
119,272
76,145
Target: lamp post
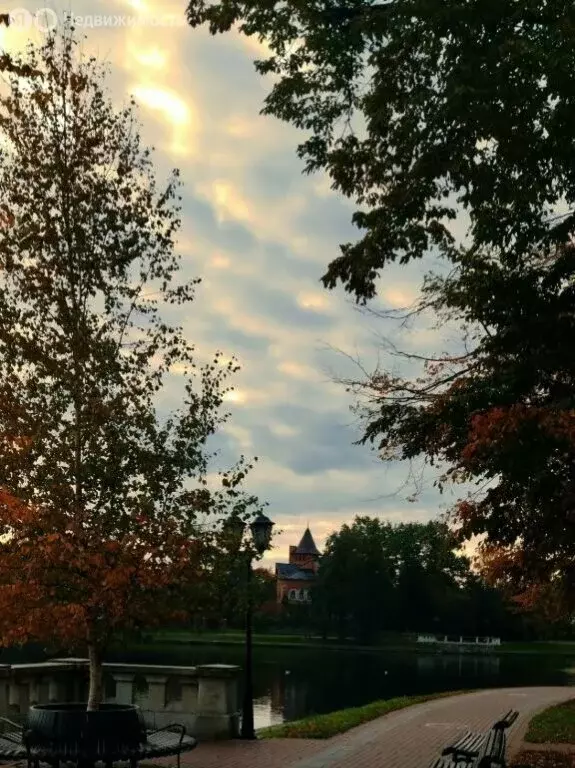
261,531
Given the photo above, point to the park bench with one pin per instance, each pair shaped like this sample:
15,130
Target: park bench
479,750
163,742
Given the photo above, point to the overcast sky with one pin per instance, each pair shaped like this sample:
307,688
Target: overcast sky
261,234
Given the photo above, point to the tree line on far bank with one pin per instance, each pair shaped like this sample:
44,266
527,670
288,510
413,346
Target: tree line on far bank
377,579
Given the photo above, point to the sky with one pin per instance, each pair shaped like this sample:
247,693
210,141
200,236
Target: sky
260,234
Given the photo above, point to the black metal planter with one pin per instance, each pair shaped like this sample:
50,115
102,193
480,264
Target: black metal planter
68,733
112,731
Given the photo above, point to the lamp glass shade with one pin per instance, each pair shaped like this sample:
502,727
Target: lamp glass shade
235,527
261,529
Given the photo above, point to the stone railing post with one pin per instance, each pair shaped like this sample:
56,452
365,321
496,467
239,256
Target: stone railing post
209,704
14,696
217,711
156,692
34,690
4,683
53,690
189,694
124,687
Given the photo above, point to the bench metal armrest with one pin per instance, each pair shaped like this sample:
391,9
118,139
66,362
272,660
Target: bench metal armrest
167,727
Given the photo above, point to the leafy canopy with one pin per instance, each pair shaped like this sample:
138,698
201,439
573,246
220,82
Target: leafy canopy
418,108
501,414
376,577
106,512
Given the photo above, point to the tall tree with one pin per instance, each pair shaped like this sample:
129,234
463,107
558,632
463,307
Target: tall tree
356,578
500,415
419,110
376,577
430,574
102,492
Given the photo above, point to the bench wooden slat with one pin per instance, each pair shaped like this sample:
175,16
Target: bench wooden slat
443,762
469,745
507,720
450,761
479,750
15,736
10,749
494,750
472,744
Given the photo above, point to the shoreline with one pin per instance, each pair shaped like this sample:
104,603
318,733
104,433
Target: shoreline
555,649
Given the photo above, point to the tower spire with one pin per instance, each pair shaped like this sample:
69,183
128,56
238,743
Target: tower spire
307,544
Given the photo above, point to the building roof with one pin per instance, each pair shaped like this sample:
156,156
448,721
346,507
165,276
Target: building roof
307,545
288,571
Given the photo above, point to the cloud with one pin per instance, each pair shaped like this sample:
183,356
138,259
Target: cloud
327,218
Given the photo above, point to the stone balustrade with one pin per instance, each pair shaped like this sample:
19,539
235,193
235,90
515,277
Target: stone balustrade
203,698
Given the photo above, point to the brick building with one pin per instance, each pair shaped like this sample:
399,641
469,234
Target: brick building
294,580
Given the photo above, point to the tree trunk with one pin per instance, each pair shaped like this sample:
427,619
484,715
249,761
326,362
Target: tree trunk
95,693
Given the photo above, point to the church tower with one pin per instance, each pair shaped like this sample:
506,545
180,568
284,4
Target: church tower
295,579
306,555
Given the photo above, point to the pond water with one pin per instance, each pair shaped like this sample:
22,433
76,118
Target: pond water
290,683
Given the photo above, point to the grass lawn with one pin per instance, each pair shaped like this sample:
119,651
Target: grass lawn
555,725
548,648
528,759
326,726
187,636
234,637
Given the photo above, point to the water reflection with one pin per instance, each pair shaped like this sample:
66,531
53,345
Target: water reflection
484,666
266,712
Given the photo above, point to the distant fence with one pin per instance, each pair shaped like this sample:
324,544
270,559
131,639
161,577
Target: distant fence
458,640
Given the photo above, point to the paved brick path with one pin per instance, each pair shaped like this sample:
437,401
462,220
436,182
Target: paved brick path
410,738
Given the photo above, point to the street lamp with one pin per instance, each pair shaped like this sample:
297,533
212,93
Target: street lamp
261,530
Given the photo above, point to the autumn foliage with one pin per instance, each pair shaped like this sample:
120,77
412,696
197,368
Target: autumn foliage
465,157
110,510
509,571
65,583
498,417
